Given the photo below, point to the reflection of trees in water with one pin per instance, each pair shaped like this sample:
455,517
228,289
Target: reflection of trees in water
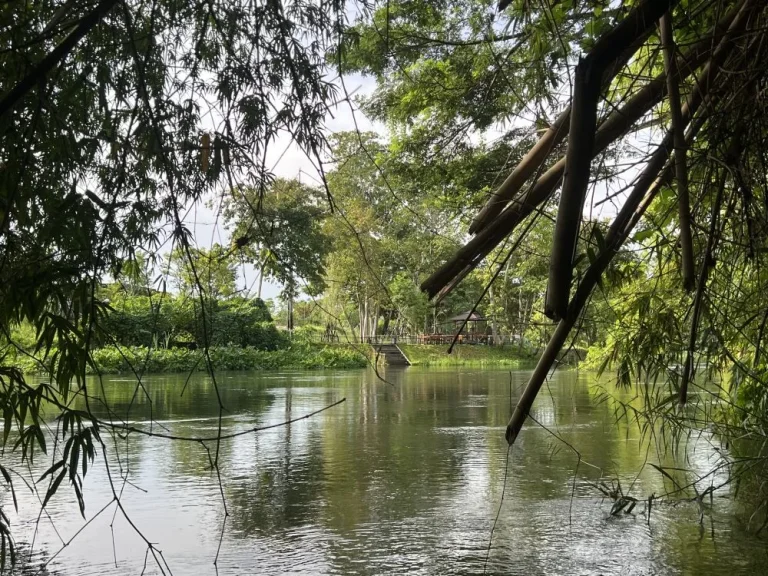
278,494
176,397
393,460
31,564
181,406
422,449
279,474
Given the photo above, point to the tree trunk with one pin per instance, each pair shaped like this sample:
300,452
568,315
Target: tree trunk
387,317
373,322
290,313
261,279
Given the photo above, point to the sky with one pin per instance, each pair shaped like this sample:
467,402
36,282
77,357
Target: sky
288,161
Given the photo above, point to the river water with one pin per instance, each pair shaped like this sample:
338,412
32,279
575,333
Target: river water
404,477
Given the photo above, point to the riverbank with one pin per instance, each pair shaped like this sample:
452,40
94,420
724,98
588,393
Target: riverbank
127,360
464,355
298,356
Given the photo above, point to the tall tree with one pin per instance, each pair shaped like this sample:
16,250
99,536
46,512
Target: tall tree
213,272
280,230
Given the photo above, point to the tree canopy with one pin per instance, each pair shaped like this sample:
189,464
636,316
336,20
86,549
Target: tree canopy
280,231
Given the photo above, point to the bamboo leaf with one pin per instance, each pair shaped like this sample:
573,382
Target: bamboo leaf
54,486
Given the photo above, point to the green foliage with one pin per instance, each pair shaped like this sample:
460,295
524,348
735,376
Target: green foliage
104,150
280,230
396,221
465,355
450,70
130,360
159,320
308,333
411,303
211,271
106,139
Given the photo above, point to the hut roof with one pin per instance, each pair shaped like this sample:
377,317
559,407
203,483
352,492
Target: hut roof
469,316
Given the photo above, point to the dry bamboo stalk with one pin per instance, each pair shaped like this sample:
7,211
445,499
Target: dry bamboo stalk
581,142
649,183
534,158
656,173
524,170
612,128
700,287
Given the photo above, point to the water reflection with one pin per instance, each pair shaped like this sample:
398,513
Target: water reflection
402,478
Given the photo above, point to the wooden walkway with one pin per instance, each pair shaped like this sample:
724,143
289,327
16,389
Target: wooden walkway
391,355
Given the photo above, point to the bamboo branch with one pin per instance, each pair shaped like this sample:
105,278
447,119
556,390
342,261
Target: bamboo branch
581,142
61,51
657,172
524,170
700,286
650,182
614,126
543,147
681,172
759,342
534,158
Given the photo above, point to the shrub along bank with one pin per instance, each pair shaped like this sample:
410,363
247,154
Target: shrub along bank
163,320
465,355
165,333
113,360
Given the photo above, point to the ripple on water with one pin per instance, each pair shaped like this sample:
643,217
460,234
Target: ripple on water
403,479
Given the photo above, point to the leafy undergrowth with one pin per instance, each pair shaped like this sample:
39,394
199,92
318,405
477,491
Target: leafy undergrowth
111,360
436,355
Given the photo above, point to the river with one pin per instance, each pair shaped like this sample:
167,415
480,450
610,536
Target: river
403,477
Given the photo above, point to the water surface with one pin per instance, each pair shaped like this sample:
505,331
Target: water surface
404,477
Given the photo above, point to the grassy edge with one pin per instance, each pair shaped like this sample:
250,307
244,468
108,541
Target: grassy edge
436,355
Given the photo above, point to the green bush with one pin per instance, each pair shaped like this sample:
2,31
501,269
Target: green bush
159,321
240,322
308,333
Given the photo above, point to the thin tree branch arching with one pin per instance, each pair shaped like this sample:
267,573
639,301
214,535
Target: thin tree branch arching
681,173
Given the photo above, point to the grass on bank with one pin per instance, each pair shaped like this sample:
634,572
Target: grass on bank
298,356
464,355
305,356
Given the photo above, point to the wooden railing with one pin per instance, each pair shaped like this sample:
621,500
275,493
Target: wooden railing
440,339
432,339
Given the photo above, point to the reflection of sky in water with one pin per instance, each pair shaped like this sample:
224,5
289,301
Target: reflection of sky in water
400,479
